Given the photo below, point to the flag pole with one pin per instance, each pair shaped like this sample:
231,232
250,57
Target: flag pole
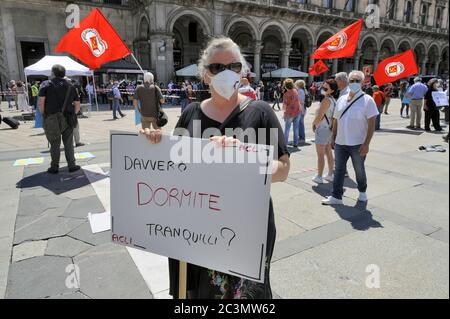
182,284
95,90
135,60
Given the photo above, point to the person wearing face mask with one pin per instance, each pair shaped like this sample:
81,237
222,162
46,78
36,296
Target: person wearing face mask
322,127
222,66
353,129
342,82
431,111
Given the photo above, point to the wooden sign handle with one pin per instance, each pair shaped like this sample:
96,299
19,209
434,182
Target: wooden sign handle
182,285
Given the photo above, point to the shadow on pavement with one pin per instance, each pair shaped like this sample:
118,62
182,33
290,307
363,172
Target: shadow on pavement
358,216
407,132
58,183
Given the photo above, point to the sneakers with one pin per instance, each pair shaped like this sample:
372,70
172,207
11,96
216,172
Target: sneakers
330,200
79,144
53,170
329,178
318,179
74,168
362,197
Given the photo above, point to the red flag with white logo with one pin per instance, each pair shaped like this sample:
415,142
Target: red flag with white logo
342,44
94,42
318,68
395,68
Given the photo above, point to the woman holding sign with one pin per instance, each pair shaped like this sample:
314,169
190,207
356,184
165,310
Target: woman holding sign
431,111
222,66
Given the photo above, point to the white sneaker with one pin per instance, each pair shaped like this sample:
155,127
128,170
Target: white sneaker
330,200
362,197
318,179
329,178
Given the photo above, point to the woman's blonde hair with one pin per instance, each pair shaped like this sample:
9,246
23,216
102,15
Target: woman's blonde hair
300,84
222,43
288,84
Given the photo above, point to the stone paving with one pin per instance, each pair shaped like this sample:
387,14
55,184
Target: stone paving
321,252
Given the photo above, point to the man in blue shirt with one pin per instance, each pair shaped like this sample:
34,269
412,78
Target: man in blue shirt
117,99
416,93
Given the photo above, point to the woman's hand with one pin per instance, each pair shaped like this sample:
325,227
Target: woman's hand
314,127
223,141
154,136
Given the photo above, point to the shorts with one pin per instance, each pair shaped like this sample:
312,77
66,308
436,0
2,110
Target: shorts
146,121
323,135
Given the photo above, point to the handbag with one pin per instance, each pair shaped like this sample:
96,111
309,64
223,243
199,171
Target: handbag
161,117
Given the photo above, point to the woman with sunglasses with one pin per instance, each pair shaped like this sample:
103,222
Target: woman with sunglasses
222,66
322,127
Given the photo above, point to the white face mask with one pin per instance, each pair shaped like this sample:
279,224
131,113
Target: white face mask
226,83
323,92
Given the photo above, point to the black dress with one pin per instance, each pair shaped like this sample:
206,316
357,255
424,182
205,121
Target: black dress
207,283
432,114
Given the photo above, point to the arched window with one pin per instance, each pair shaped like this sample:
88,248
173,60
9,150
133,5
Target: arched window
350,5
408,12
438,22
328,4
424,14
392,9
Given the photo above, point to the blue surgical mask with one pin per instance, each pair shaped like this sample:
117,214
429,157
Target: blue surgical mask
355,87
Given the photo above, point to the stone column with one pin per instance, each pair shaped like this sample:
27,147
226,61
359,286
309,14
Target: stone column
436,67
162,56
377,59
423,69
335,66
357,59
285,51
311,63
257,60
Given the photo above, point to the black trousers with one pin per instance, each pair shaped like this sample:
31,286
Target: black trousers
432,116
67,139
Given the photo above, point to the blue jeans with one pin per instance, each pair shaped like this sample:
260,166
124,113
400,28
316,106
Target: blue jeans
342,154
301,127
184,104
287,128
378,122
116,108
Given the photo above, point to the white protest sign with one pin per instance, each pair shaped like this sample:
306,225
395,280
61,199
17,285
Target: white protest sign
182,198
440,98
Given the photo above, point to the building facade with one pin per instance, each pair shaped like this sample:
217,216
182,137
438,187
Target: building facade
166,35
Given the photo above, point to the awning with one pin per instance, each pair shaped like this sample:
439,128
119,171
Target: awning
285,73
189,71
44,66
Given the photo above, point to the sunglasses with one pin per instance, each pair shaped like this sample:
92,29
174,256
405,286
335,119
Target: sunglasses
355,81
216,68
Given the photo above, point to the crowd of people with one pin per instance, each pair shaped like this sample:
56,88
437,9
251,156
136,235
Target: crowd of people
345,120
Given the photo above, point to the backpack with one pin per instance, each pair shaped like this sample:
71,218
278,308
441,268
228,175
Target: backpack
308,99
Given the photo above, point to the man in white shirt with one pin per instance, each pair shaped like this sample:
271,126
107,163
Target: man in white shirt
353,129
90,92
342,82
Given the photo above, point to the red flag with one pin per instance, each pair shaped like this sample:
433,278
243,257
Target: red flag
341,45
396,67
318,68
94,42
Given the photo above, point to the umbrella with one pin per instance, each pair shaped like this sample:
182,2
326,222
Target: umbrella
285,73
189,71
